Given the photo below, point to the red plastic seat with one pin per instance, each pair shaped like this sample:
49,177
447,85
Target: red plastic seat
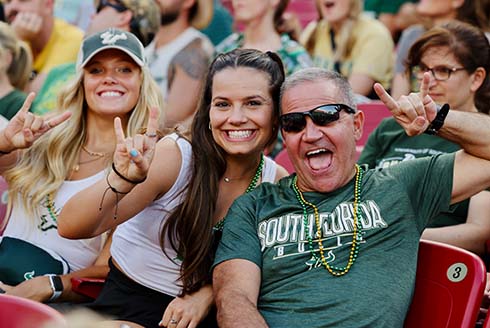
374,113
17,312
89,287
282,158
448,289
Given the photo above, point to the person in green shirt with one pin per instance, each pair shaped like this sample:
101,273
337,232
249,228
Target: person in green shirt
336,245
15,70
458,56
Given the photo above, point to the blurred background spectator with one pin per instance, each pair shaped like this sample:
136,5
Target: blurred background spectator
346,41
15,70
435,12
261,20
52,40
179,56
75,12
396,15
221,24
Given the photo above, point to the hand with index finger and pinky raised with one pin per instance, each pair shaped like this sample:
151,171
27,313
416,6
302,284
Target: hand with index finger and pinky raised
25,127
413,112
133,155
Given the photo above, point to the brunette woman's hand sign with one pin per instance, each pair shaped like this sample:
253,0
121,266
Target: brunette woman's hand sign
25,127
133,155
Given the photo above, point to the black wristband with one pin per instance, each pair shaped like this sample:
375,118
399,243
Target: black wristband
4,152
438,121
56,285
124,178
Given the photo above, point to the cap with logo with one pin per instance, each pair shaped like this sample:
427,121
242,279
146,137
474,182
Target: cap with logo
111,39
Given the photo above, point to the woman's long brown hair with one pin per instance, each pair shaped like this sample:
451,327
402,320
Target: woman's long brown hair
189,228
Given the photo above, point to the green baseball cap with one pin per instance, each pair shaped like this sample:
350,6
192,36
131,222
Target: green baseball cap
112,38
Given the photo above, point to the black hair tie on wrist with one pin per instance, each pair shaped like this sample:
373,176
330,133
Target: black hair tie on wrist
124,178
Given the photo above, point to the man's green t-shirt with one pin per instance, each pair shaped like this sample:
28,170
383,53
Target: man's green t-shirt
389,145
266,227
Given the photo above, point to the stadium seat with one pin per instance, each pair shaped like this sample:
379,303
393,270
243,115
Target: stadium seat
448,289
282,158
89,287
17,312
374,113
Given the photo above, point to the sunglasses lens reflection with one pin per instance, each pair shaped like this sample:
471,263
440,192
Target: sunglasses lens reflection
296,122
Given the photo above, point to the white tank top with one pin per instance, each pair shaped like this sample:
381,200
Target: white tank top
269,170
136,242
42,231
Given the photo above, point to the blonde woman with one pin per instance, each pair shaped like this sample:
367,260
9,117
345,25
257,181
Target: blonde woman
15,70
45,163
345,41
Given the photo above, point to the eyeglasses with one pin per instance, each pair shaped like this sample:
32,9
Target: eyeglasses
440,73
321,115
119,7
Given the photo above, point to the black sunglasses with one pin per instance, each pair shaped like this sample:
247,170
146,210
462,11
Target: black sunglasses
106,3
321,115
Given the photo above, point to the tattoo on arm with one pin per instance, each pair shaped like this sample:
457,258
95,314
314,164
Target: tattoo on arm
193,59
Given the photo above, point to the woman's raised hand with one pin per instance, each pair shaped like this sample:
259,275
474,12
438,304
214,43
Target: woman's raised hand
133,155
25,127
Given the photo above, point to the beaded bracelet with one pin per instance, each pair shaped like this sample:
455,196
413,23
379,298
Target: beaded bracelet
115,191
124,178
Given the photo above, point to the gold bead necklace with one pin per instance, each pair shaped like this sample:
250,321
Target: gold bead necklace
356,233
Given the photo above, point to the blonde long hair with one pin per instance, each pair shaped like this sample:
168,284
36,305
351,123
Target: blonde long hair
44,166
20,67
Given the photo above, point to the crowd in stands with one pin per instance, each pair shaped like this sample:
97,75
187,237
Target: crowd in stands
138,137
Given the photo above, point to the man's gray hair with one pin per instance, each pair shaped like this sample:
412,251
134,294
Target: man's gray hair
315,74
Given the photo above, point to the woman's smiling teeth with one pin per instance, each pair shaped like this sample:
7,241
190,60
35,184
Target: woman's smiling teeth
239,134
107,94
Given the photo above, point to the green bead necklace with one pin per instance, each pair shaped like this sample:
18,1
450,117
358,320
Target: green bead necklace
258,173
356,235
51,208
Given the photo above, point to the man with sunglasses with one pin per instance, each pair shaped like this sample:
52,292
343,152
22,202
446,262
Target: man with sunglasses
139,17
330,245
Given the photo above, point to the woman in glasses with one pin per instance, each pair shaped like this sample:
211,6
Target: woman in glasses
458,57
433,13
169,214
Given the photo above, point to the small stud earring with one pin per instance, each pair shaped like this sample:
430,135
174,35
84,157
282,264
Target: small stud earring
210,128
